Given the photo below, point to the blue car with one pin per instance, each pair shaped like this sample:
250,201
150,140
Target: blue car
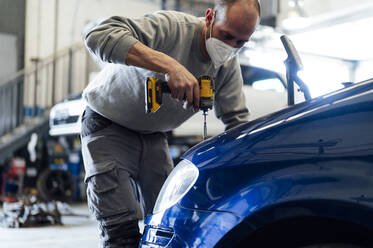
300,177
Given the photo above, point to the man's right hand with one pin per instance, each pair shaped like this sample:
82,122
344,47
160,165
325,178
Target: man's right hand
183,85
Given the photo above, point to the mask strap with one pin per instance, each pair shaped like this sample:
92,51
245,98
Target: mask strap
211,69
212,22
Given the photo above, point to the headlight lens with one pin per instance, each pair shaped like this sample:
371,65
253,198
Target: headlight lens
178,183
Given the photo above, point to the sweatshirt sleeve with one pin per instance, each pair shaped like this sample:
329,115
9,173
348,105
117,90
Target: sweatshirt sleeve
113,38
230,104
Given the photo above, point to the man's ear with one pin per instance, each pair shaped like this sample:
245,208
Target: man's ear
208,16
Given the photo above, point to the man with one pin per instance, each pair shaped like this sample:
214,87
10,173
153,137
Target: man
119,141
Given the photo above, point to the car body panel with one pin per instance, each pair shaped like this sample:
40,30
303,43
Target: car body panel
212,224
291,149
311,159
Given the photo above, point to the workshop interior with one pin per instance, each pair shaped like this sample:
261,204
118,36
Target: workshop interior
299,173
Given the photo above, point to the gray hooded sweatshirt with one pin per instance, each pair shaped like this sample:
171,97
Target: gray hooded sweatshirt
118,91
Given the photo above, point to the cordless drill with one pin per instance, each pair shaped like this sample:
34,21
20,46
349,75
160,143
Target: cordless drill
155,89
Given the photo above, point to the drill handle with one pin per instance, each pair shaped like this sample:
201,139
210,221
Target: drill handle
164,87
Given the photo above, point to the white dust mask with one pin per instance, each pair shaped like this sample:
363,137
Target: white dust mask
219,51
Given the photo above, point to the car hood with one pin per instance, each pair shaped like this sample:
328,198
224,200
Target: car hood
226,148
264,159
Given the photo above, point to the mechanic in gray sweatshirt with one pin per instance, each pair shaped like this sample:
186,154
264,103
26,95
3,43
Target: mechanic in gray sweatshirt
120,142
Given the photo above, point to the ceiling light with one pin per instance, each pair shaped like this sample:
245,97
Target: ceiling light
296,17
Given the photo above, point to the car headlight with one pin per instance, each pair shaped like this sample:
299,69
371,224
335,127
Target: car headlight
178,183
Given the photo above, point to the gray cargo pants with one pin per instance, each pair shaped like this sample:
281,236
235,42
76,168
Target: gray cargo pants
113,155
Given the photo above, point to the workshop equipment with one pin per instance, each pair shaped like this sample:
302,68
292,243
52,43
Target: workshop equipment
13,179
29,211
155,89
56,182
293,65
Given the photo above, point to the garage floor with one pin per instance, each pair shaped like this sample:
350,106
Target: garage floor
79,232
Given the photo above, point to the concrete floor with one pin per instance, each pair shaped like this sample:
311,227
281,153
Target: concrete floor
81,232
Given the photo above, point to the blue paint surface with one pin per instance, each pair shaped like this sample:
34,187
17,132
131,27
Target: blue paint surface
305,160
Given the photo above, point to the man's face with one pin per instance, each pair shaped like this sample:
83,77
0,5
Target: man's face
235,25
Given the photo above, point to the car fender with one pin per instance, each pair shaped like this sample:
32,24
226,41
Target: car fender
324,215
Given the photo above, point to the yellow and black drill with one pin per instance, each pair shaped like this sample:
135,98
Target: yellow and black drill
155,89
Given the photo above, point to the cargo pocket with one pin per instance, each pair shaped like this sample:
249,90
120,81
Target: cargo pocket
103,179
102,190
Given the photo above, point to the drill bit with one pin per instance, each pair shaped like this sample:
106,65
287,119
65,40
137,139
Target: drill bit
204,125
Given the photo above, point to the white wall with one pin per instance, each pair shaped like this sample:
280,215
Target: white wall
73,15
